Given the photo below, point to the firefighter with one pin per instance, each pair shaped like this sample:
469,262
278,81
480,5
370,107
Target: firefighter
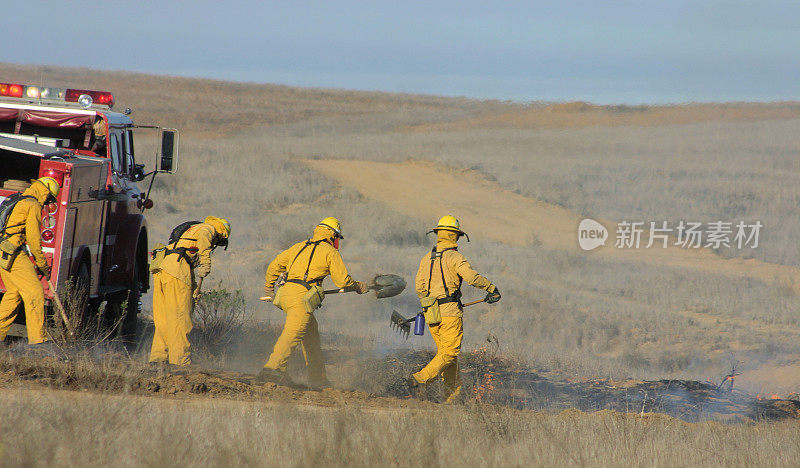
439,279
23,227
177,285
305,265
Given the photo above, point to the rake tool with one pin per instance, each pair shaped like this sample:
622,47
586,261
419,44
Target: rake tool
383,285
403,325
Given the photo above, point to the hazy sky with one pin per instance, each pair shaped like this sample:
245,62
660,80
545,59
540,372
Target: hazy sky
605,52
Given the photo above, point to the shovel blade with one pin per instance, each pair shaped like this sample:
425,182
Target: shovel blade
388,285
400,323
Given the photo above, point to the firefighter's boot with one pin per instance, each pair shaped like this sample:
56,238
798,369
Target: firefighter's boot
415,388
275,376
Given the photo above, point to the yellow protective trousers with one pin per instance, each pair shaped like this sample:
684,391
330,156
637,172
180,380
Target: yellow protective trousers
172,316
23,285
300,328
447,335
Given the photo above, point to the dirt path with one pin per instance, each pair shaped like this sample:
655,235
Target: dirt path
486,210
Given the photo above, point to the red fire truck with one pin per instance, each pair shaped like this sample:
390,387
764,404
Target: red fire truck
95,233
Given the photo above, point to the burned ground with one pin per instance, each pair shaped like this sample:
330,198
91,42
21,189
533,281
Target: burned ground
379,383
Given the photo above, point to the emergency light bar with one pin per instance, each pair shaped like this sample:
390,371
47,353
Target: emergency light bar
38,95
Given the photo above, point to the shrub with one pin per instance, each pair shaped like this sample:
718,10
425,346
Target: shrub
220,319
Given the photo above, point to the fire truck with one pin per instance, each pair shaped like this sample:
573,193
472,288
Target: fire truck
95,234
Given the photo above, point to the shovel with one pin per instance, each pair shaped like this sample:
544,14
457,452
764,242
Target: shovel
403,325
383,285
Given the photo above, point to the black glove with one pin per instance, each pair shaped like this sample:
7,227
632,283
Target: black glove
45,271
493,297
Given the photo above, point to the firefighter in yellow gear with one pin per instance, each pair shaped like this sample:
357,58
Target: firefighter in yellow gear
23,227
440,275
305,265
177,285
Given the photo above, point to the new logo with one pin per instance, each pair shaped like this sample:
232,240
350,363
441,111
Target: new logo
591,234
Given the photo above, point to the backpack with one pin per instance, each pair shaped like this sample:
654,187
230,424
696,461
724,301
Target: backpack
8,251
176,233
8,206
160,251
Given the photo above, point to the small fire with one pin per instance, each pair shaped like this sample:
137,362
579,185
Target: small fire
486,387
774,396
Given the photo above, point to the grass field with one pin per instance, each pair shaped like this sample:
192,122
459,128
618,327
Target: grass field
141,431
242,157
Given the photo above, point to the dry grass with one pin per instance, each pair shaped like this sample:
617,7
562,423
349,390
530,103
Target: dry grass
579,313
582,114
213,108
80,430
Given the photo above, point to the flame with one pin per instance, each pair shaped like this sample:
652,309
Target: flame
774,396
486,387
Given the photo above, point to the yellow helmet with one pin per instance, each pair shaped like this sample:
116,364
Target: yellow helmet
449,223
221,225
51,184
332,224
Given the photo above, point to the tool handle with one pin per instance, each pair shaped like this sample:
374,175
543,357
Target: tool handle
59,306
266,298
371,287
473,303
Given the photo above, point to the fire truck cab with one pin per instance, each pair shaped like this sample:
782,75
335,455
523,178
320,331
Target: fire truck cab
96,233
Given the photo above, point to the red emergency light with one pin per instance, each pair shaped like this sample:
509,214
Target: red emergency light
47,235
99,97
10,89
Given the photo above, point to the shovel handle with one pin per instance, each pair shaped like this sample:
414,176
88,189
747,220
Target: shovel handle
473,303
346,290
59,306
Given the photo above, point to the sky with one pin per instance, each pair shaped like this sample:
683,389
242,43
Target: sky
626,52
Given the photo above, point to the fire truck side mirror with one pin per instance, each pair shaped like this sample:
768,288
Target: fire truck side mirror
168,159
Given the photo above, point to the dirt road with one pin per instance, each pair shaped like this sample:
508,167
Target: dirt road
427,191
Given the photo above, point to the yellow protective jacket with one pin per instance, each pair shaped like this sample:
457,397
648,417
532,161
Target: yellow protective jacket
326,261
456,269
200,236
25,222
